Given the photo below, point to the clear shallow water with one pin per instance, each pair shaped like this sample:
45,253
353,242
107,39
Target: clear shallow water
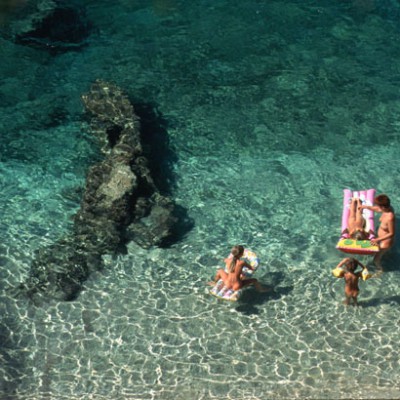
272,110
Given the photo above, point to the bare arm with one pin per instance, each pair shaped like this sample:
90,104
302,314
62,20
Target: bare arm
361,265
344,261
229,259
372,208
247,265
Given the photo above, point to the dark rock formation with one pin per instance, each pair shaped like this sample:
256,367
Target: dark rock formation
120,190
55,26
120,202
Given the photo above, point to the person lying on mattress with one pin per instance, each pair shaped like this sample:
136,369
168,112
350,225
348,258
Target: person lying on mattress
233,278
356,222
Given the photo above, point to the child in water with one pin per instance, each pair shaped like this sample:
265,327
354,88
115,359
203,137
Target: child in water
351,278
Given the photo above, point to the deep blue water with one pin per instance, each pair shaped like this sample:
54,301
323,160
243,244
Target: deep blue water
271,110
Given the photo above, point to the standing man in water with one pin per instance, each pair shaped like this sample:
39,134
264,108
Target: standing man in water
387,227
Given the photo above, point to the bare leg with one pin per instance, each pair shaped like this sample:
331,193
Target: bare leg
351,222
346,301
355,302
359,218
257,285
378,259
221,274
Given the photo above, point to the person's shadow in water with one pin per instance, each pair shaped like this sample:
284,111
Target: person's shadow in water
392,300
250,298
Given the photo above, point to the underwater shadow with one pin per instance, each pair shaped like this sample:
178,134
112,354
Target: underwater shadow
161,159
180,229
251,298
391,261
156,146
393,300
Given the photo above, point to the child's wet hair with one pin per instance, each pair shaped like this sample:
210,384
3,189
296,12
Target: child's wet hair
237,250
358,235
351,264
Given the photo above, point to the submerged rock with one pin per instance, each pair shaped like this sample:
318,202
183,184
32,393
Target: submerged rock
121,188
120,202
55,26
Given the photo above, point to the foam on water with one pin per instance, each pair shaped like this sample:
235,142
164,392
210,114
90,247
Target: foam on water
272,110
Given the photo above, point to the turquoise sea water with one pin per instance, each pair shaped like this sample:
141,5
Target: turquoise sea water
271,108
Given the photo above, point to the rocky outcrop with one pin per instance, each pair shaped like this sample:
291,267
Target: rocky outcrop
120,191
120,203
54,26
